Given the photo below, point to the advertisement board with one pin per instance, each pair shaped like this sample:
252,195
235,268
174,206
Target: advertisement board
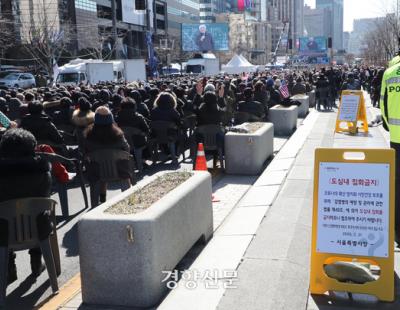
205,37
312,45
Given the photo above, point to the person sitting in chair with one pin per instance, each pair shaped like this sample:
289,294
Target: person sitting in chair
23,175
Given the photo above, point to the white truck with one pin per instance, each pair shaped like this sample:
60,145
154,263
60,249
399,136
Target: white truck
204,64
129,70
80,71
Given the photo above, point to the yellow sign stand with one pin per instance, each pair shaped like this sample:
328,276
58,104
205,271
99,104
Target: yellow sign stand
352,112
334,173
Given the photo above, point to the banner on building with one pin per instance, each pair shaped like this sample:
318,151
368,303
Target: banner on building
244,4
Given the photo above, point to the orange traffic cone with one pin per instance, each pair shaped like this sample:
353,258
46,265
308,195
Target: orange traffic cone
201,162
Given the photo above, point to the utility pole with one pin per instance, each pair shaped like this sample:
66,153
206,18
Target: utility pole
114,26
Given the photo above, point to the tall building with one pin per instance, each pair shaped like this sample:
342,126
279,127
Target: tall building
346,40
287,21
360,28
336,9
317,22
210,8
87,25
181,12
249,35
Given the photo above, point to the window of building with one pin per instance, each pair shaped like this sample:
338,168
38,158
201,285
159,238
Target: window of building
104,12
86,5
160,9
160,24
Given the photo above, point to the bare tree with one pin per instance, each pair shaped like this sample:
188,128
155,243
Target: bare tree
381,43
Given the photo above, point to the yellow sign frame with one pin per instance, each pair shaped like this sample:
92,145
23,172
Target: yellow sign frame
382,288
353,127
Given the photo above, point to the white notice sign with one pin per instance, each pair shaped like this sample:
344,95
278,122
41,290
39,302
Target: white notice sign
353,209
349,108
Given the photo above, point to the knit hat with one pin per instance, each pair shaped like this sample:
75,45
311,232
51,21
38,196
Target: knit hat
103,116
270,82
209,87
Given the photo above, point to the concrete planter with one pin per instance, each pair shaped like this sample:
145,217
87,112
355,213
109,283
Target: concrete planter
305,105
284,119
246,154
122,257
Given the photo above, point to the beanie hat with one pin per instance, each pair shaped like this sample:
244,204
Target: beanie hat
270,82
103,116
209,87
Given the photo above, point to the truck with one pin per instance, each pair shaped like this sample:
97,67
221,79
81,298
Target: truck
85,71
129,70
203,64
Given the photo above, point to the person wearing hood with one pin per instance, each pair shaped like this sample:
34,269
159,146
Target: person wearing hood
141,107
209,112
104,134
250,106
351,83
63,115
23,175
15,107
128,117
40,125
103,99
274,95
323,93
198,98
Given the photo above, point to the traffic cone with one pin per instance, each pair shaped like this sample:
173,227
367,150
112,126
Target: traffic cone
201,162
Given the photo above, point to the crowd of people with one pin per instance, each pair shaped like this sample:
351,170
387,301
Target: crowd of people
92,116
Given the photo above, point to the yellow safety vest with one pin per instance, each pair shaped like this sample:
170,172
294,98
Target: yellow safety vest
390,101
394,61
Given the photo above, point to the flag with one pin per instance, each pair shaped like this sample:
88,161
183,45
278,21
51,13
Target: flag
284,90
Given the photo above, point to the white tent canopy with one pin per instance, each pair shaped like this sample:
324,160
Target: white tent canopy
238,64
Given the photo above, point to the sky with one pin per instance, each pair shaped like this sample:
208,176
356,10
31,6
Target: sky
355,9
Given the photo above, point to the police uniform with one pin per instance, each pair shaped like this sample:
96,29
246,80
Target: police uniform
390,107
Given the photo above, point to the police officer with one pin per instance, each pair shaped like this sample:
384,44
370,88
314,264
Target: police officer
390,107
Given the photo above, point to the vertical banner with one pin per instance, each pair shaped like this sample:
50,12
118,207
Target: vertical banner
152,60
240,5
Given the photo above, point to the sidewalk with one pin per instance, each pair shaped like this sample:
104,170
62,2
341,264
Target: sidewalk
267,236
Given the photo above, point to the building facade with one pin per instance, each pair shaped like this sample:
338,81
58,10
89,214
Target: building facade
87,25
180,12
209,9
360,28
248,36
317,22
287,21
336,9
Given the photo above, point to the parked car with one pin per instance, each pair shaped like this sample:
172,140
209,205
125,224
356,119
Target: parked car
20,80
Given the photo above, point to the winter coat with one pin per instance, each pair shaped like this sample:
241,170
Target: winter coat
41,126
82,119
25,177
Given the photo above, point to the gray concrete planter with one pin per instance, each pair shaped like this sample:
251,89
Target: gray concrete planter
284,119
122,257
305,105
246,153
